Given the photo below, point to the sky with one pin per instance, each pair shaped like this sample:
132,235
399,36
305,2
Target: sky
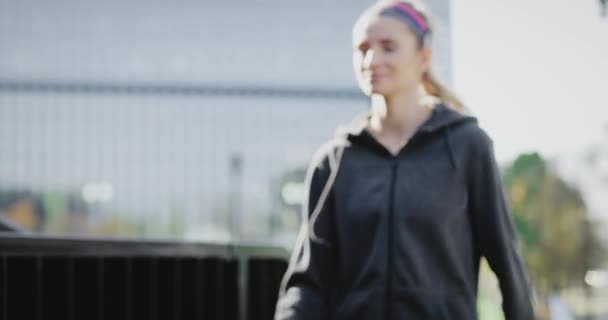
535,73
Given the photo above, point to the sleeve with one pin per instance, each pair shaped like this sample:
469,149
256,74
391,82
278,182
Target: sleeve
495,232
305,286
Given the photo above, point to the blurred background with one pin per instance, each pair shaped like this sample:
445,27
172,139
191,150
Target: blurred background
195,121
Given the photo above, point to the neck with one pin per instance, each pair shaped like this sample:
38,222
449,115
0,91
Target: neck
401,113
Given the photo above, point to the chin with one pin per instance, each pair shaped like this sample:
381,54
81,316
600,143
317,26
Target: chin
379,90
370,89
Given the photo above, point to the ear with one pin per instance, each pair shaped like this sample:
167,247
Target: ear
425,57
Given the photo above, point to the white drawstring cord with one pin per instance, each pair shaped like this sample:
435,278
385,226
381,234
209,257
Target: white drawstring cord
334,166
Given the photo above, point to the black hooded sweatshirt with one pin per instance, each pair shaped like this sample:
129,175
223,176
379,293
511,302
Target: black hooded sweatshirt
401,237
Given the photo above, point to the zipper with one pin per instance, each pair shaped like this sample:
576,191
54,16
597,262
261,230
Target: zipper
391,224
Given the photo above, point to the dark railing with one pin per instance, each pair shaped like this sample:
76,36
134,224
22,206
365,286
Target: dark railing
73,278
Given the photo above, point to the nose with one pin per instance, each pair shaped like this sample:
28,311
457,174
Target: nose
370,59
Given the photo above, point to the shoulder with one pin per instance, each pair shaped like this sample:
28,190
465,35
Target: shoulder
471,137
327,155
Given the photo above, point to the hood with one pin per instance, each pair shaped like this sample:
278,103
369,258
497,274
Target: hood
441,120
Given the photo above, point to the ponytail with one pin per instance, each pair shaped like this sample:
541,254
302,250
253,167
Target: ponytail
433,87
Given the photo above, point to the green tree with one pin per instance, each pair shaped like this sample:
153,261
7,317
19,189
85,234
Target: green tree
558,243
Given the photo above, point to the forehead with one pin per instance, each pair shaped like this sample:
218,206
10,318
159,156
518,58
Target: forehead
375,28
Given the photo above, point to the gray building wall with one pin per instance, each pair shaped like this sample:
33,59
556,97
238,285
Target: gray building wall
165,151
287,43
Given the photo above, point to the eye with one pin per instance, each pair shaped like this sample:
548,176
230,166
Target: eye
363,49
389,47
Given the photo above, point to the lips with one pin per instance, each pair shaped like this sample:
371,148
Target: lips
376,77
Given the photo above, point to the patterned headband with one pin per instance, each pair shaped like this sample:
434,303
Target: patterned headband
407,15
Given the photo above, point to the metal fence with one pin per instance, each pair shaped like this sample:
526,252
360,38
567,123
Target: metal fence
72,278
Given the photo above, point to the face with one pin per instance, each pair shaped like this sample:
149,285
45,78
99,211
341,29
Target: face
387,57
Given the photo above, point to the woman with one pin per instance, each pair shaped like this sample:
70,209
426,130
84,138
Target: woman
404,204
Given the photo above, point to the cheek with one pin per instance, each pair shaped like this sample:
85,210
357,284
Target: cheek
357,62
408,67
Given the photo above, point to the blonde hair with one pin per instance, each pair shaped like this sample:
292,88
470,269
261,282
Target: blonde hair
431,84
